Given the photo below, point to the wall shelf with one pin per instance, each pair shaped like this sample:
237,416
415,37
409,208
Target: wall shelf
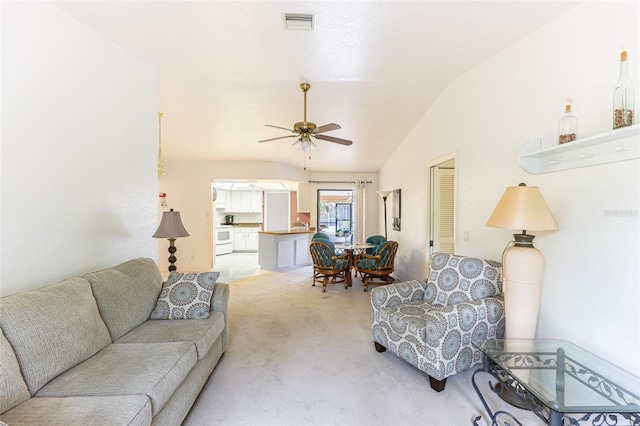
617,145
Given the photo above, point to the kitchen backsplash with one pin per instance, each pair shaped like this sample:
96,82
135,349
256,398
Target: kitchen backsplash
239,217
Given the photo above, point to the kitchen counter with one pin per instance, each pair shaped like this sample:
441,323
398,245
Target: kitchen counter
284,249
290,231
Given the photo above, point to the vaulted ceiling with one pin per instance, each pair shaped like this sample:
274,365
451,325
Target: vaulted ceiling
227,68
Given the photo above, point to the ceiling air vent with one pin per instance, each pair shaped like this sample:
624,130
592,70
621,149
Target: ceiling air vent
298,21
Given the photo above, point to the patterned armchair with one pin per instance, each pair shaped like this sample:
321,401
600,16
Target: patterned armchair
327,266
377,266
430,323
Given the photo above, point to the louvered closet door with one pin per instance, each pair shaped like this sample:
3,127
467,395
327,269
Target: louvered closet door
443,214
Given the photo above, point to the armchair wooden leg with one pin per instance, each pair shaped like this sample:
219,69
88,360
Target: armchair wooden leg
437,385
379,347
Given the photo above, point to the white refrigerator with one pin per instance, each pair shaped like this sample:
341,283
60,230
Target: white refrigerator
276,211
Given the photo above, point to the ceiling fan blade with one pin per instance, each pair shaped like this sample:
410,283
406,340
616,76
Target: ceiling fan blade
332,139
326,128
278,127
279,137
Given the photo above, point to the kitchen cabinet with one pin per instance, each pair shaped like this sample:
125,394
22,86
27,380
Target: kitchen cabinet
285,249
239,201
304,202
302,255
244,202
252,240
221,200
245,238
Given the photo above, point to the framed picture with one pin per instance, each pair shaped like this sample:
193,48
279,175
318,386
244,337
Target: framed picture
396,209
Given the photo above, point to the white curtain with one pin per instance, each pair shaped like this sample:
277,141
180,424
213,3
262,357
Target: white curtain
360,211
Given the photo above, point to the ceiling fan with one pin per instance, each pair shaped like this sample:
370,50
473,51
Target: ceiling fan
306,130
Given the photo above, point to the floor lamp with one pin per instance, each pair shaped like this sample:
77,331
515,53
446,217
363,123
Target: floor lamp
171,227
522,207
384,195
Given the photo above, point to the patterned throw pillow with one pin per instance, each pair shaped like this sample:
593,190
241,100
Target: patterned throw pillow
185,296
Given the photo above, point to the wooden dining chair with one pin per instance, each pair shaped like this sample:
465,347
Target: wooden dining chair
375,240
328,267
378,266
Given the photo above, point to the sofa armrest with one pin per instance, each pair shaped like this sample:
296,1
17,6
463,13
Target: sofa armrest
220,298
397,294
220,303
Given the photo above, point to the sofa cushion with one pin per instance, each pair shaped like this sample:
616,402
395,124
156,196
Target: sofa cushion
126,294
13,389
202,333
130,410
152,369
185,296
52,329
454,279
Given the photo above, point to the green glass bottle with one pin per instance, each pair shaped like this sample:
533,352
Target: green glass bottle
623,96
568,125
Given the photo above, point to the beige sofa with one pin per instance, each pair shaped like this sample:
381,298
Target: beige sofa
83,351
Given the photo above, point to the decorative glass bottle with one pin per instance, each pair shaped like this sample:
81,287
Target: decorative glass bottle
568,125
623,96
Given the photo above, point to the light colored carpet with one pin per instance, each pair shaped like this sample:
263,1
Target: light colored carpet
298,356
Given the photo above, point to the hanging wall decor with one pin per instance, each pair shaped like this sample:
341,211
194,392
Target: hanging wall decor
396,209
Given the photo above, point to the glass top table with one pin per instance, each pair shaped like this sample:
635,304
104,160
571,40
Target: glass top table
562,377
355,248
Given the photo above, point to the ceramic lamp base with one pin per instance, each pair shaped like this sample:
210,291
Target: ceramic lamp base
523,268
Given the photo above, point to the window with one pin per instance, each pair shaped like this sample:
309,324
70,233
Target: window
335,213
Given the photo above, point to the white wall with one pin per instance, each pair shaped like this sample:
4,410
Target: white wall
79,149
591,288
188,189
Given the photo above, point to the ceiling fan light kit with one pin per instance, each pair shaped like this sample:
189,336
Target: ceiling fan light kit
305,130
304,144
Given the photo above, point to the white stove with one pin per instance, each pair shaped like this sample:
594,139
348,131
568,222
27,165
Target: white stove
224,239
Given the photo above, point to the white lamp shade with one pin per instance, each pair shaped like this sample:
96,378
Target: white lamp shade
384,194
171,226
522,207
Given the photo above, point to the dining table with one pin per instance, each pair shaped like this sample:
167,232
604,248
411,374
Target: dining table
353,250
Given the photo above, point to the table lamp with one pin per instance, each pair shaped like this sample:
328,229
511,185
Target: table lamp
171,227
384,195
522,207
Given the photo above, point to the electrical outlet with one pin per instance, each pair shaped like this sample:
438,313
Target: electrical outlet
466,235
